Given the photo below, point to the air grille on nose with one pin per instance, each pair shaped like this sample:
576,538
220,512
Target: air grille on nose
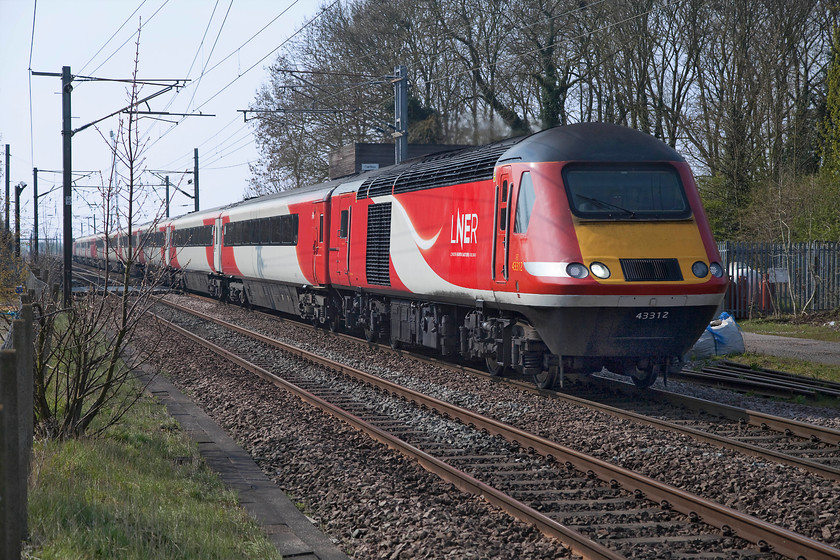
651,270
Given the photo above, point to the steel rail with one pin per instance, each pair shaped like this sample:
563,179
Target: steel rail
782,375
745,379
829,472
744,526
463,481
754,418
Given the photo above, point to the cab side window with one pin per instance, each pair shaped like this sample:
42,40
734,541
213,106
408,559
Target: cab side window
524,204
344,224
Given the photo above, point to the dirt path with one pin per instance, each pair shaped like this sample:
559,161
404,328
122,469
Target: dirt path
799,348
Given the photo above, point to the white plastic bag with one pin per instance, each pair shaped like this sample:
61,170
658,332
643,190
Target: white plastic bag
721,338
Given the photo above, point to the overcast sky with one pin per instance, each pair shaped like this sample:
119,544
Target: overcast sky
180,39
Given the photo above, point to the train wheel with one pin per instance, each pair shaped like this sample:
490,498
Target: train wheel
545,379
370,335
495,368
644,378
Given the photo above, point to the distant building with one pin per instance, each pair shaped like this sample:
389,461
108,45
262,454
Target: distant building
361,156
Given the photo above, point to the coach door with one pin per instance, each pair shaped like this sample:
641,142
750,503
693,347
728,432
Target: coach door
501,223
340,226
170,249
319,259
217,245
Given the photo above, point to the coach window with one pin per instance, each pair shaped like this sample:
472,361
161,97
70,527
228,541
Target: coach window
503,210
291,229
321,229
524,203
345,220
256,232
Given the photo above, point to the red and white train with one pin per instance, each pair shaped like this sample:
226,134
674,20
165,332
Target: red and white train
568,250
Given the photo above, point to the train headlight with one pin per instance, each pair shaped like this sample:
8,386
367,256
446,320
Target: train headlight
700,269
576,270
717,269
600,270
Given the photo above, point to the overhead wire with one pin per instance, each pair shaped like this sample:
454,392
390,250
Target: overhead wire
515,56
112,36
130,37
175,97
31,114
305,25
289,38
579,36
173,163
278,16
203,37
212,50
222,154
507,32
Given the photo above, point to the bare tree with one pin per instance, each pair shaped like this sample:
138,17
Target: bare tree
83,376
738,86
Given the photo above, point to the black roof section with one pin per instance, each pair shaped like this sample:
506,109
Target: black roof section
575,142
591,142
437,170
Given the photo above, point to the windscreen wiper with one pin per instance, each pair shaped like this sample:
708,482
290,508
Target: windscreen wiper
604,204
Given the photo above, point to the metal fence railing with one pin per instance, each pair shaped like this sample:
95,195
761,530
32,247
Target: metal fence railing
776,278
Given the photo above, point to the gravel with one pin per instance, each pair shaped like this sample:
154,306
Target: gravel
372,501
779,494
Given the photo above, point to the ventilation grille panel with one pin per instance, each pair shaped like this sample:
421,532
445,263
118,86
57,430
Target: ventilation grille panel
651,270
378,244
438,170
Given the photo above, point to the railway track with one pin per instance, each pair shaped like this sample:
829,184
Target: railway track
611,507
773,438
741,377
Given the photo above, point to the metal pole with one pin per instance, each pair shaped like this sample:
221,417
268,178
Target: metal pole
18,189
401,114
7,187
167,196
67,192
35,224
195,178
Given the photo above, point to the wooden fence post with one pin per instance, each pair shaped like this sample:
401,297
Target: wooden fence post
9,465
24,347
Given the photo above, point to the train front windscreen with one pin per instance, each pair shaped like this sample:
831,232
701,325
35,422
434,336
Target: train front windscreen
625,192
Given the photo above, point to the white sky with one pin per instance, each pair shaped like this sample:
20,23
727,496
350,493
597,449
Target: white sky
78,33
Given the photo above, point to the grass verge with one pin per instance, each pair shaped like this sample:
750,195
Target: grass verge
791,328
140,491
789,365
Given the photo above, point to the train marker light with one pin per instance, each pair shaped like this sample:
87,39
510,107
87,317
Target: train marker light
577,270
700,269
717,269
600,270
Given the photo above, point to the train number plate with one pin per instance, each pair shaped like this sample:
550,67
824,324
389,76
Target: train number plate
651,315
